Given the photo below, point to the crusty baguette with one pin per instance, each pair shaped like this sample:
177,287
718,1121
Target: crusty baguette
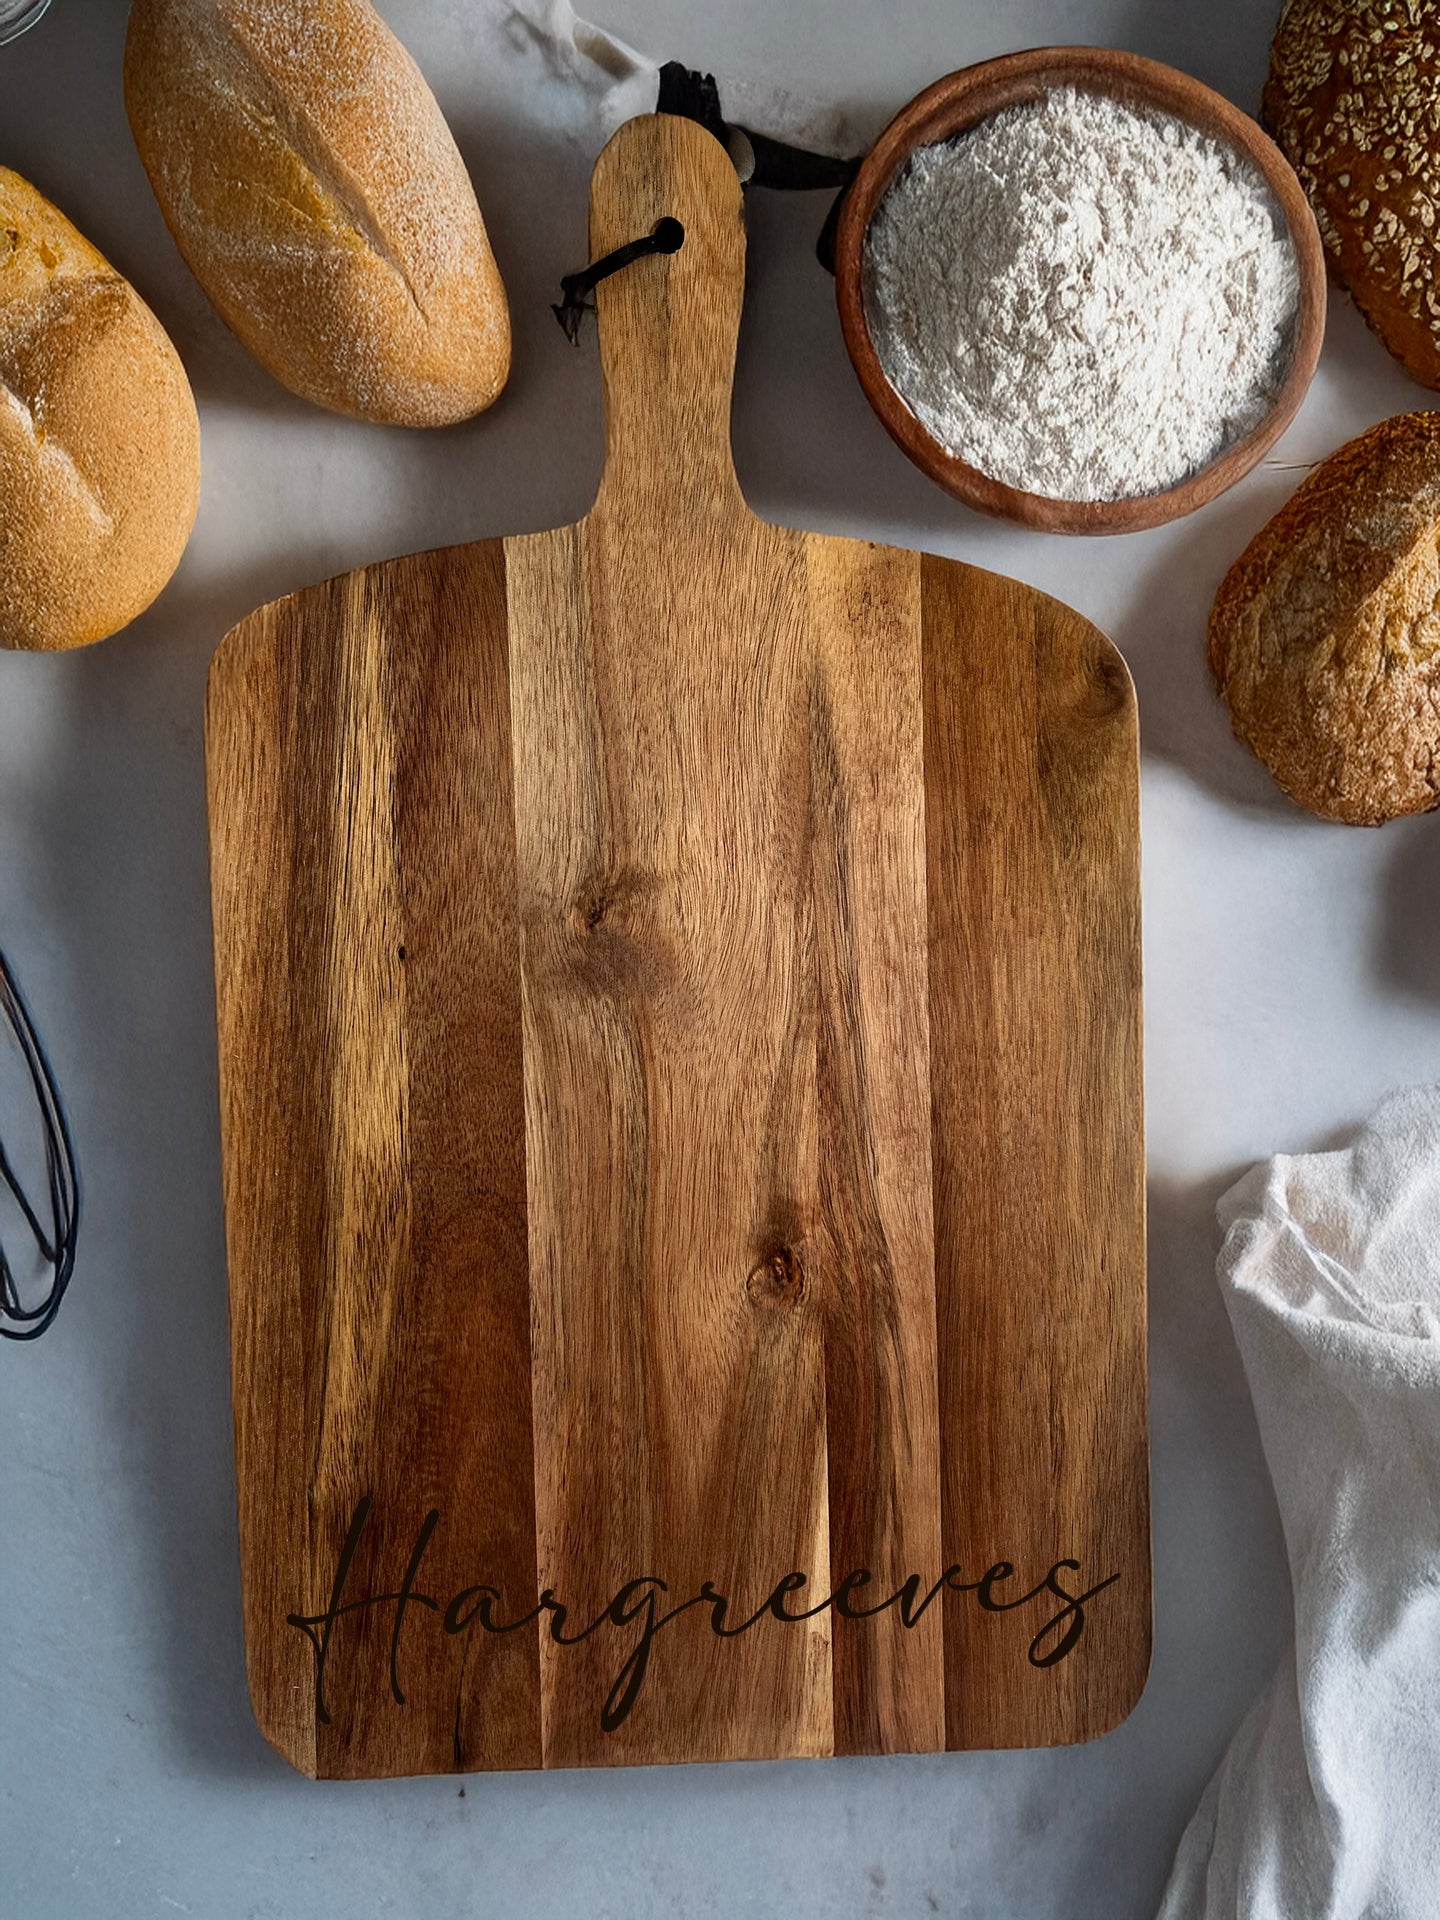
1353,100
99,443
312,184
1325,635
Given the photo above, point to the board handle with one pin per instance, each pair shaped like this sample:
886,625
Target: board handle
668,322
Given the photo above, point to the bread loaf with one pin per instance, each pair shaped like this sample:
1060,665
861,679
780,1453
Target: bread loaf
1325,635
312,184
99,443
1353,100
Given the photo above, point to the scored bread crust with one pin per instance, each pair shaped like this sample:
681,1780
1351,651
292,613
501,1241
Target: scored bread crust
308,176
1353,102
1324,639
99,440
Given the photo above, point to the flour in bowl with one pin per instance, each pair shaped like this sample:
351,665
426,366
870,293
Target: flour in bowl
1080,298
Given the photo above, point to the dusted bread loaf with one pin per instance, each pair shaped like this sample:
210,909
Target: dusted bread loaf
311,182
1353,100
1325,635
99,443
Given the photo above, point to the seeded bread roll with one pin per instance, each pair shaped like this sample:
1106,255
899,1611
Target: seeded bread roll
312,184
1353,100
1325,635
99,443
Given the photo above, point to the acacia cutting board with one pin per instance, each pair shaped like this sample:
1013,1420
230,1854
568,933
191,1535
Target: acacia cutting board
679,1012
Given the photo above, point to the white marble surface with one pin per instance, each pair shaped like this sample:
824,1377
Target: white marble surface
1292,977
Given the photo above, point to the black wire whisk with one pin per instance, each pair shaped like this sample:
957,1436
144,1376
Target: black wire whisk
55,1242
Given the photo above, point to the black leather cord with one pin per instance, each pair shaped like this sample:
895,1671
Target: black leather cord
771,163
667,236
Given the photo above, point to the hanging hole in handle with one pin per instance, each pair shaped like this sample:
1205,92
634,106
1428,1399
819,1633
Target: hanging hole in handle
666,236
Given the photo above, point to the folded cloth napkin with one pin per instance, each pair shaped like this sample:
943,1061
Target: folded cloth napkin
1327,1805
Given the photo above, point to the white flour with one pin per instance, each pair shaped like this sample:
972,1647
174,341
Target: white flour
1082,299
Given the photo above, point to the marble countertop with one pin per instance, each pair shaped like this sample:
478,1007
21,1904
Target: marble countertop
1293,975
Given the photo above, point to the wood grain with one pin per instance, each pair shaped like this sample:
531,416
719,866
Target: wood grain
875,1154
367,965
1034,938
961,100
678,995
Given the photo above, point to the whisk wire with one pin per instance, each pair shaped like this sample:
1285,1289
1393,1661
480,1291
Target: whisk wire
55,1244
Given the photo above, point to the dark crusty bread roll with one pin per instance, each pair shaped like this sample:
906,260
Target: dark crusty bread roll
1353,100
312,184
1325,635
99,443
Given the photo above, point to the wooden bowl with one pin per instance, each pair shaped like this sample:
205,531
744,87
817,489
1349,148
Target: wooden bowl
973,94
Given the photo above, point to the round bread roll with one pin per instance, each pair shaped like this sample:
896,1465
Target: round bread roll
312,184
1325,635
1353,100
99,443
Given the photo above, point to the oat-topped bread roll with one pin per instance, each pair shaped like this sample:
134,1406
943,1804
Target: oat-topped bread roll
1325,635
312,184
99,443
1353,100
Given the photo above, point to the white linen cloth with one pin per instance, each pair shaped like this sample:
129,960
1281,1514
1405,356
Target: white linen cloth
1327,1804
619,81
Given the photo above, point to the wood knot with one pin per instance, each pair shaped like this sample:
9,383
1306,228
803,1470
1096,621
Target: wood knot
777,1280
1105,689
591,909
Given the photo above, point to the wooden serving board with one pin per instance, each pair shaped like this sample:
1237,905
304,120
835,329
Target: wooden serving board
679,1011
